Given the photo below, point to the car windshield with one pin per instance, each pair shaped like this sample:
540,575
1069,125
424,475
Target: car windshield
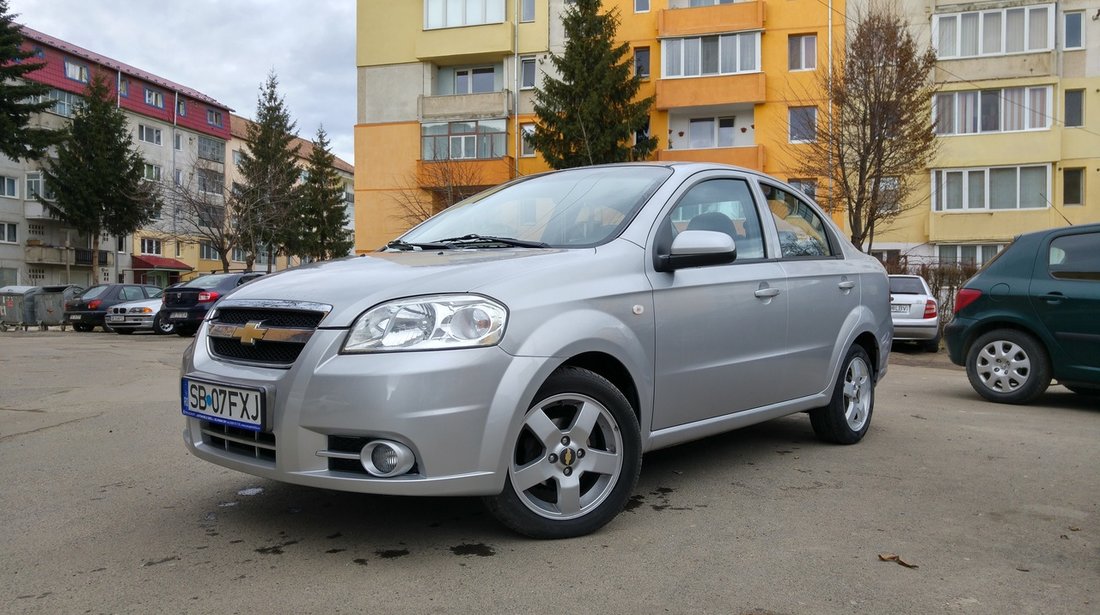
94,292
155,294
566,209
208,281
906,286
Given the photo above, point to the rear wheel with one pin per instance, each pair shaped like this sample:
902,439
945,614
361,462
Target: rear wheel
848,416
1008,367
161,326
575,460
82,327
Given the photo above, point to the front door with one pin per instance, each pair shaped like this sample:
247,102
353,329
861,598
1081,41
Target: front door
1065,293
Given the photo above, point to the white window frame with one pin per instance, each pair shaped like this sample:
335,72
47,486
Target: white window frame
985,21
648,62
76,71
149,244
715,140
805,61
526,150
207,251
957,119
469,71
9,232
791,125
9,187
149,134
979,252
1080,17
641,6
527,11
524,62
939,181
214,117
673,53
152,172
154,98
440,14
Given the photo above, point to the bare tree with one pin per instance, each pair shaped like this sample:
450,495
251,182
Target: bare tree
878,133
435,186
199,211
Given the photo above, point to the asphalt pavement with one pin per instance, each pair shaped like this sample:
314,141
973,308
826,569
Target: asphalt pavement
949,505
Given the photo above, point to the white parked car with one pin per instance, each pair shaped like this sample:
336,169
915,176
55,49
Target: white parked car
915,312
144,315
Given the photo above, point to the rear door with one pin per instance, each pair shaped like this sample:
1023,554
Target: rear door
1065,293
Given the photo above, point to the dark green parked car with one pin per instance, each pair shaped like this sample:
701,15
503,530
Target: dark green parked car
1031,314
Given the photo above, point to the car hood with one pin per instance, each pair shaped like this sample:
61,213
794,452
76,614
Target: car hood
153,303
353,285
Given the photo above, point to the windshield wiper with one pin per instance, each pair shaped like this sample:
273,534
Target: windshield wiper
489,239
405,246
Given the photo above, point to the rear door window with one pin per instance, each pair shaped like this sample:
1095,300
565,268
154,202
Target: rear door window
802,232
1075,257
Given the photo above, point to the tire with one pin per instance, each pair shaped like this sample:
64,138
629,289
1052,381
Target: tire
161,326
1008,367
1083,390
847,417
123,331
82,327
575,461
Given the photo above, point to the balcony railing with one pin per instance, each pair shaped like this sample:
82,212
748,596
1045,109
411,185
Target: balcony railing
689,21
466,106
750,156
58,255
715,90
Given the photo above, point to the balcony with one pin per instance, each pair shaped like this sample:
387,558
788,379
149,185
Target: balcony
34,210
466,44
465,106
692,21
703,91
436,174
749,157
57,255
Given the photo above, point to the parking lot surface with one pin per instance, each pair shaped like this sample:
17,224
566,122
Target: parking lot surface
992,509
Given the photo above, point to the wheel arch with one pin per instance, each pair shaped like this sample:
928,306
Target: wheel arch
613,370
986,326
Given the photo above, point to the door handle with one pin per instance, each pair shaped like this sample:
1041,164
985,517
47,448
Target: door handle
847,285
1053,298
766,293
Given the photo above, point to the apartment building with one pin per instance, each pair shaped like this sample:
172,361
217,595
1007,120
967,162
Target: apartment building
180,132
1018,124
446,88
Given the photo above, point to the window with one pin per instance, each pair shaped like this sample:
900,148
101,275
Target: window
994,188
209,181
526,73
801,231
149,134
211,149
888,190
154,98
178,174
179,248
150,246
641,6
456,13
8,187
124,87
1074,31
178,139
64,103
526,149
641,62
76,71
474,80
803,124
807,186
213,117
1007,110
36,186
237,157
1073,186
527,11
9,232
711,55
1075,257
238,255
710,132
207,251
968,254
1075,108
181,107
152,172
993,32
726,206
463,140
802,52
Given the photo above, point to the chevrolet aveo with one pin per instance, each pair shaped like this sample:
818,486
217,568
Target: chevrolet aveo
529,344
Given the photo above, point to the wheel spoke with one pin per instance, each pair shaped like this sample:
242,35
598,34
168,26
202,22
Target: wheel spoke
532,474
585,422
544,429
600,462
569,495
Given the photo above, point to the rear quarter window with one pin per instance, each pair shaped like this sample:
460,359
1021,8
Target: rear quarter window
1075,257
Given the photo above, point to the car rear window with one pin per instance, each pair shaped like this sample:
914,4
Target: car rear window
208,281
906,286
94,292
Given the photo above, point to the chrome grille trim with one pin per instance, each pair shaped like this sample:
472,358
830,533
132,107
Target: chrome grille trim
237,331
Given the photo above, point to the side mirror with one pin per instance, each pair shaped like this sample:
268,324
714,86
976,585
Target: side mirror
698,249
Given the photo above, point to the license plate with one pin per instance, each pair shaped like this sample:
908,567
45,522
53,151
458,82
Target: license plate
178,315
75,317
899,308
227,405
115,318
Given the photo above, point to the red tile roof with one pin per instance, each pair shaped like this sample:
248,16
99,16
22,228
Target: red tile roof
238,126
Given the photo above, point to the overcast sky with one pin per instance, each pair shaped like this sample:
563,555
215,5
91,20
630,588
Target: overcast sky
224,49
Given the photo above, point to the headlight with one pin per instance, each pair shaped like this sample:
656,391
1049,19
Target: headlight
428,323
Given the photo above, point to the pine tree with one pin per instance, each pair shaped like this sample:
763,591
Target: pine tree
269,172
319,215
17,138
97,178
588,115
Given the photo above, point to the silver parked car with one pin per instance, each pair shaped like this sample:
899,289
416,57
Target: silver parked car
529,344
915,312
144,315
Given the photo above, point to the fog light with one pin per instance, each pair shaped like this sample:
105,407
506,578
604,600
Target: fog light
383,458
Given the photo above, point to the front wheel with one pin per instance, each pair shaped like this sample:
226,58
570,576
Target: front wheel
161,326
575,461
848,416
1008,367
185,330
82,327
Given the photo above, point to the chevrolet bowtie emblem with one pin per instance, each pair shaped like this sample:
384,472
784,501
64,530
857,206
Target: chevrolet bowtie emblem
250,333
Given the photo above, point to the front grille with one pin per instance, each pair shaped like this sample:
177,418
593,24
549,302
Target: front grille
241,442
261,335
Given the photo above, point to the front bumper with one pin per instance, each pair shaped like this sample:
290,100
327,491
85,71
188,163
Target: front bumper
455,409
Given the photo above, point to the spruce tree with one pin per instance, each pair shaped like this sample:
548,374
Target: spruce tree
269,173
97,178
588,114
18,139
319,215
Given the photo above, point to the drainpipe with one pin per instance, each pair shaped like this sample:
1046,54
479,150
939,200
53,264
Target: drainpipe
515,89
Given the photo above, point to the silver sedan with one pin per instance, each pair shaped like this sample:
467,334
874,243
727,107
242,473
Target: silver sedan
529,344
